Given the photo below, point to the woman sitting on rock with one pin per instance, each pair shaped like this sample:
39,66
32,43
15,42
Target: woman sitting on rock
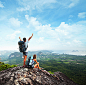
31,61
37,63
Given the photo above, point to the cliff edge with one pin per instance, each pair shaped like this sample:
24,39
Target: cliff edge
24,76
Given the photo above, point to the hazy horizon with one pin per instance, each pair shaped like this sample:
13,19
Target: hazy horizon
70,52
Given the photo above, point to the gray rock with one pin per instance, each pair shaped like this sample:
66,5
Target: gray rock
16,82
38,79
24,76
12,75
29,81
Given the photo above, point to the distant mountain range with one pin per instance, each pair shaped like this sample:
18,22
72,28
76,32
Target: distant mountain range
4,55
15,54
30,53
17,57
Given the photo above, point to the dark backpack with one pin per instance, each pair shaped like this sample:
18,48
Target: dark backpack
30,62
22,46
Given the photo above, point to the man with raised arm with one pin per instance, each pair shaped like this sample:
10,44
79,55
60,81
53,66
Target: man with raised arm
25,53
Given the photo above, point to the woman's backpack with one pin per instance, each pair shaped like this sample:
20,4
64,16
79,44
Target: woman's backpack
30,62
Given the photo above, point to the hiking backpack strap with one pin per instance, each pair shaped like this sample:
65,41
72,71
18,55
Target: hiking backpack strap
24,46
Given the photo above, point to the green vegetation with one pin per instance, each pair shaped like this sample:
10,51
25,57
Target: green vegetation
58,62
72,66
50,72
66,62
4,66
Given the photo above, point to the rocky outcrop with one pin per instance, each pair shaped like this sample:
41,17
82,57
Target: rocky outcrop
24,76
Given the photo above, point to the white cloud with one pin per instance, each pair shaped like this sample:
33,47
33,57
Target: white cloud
63,35
1,5
32,22
63,30
40,40
13,35
76,41
43,30
15,22
82,15
73,3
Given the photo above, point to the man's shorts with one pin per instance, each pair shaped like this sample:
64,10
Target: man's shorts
25,53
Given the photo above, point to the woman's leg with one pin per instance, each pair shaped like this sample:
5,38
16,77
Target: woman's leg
36,65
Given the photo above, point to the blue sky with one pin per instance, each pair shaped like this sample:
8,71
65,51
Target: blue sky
55,24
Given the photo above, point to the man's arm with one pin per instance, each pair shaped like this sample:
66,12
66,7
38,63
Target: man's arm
20,39
30,37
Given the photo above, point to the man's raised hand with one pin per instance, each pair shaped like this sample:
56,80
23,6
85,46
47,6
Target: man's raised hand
32,34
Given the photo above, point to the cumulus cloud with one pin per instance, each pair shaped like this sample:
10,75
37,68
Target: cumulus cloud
1,5
82,15
63,30
13,35
15,22
42,29
63,35
32,22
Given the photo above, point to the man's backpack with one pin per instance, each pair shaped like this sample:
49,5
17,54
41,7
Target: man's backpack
21,46
30,62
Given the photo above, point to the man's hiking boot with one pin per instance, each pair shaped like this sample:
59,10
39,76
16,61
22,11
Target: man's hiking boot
25,66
